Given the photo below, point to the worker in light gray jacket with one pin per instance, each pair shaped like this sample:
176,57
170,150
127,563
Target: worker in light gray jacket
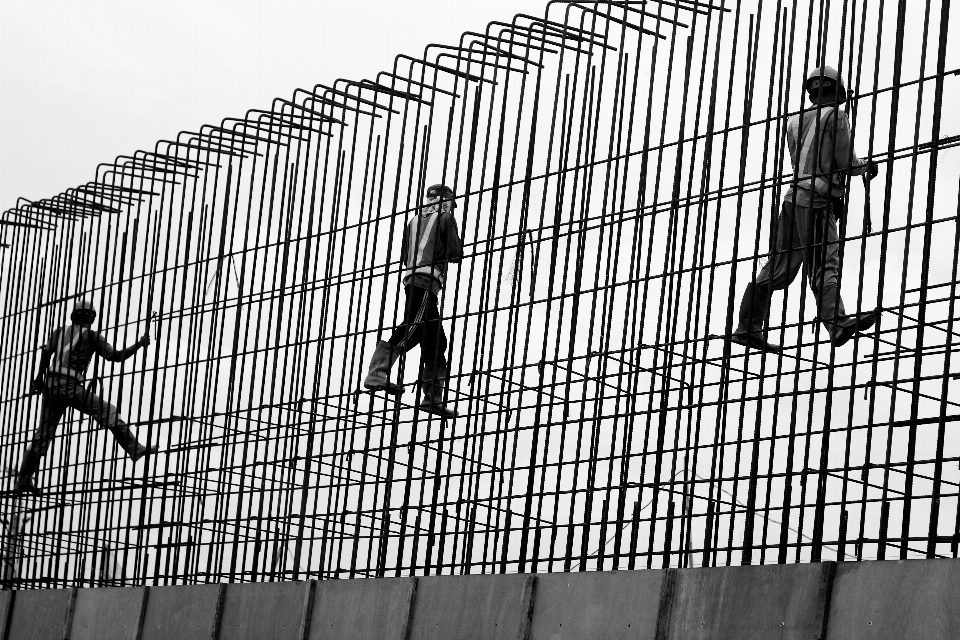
819,141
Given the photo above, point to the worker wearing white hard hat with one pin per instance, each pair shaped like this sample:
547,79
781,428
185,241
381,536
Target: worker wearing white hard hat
819,140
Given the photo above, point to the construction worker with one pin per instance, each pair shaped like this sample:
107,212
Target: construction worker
820,148
63,365
430,243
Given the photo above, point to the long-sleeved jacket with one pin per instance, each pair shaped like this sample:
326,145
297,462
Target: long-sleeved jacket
821,154
71,348
430,242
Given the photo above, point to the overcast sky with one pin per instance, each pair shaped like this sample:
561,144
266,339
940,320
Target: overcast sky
82,81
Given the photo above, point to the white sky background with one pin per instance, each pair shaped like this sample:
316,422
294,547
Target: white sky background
82,82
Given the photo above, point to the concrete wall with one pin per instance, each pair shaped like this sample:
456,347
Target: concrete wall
598,605
915,599
107,614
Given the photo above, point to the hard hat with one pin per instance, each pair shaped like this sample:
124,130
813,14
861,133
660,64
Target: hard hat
84,307
438,191
828,73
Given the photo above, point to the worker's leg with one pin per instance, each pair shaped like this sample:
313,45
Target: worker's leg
404,338
433,345
410,333
434,369
51,412
780,270
822,255
106,415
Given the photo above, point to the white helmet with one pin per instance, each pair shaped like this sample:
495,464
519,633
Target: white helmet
827,73
84,307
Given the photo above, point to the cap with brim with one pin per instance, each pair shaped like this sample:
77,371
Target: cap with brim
439,191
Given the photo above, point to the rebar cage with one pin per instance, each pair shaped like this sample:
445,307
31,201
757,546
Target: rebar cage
618,169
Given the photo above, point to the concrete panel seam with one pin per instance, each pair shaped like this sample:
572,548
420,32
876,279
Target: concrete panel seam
665,607
218,614
68,618
824,596
411,606
307,609
528,599
6,625
143,613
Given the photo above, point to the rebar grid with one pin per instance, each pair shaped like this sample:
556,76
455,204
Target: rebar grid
619,168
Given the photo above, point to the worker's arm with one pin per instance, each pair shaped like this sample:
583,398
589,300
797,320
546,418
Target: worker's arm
37,385
452,245
107,352
845,157
403,246
791,134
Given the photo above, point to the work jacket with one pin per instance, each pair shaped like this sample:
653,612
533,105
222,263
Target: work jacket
430,242
820,148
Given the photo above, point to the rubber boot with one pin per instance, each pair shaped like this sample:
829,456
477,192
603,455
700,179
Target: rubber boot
142,450
848,326
378,378
29,466
842,327
754,306
839,328
125,438
433,387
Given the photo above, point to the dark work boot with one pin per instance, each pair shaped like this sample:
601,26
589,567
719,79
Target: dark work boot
840,326
378,378
433,386
753,312
128,442
29,466
142,450
755,340
848,326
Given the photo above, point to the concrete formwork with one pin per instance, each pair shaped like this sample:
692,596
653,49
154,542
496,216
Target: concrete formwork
618,605
41,615
275,610
486,607
363,609
909,600
189,612
772,602
108,614
905,600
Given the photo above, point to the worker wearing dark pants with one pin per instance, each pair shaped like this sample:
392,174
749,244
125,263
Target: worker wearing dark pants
806,235
63,392
430,243
63,364
421,326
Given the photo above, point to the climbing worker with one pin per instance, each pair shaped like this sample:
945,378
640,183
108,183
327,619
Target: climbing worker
820,149
63,365
430,242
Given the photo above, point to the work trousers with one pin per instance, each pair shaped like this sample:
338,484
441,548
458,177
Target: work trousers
421,325
805,237
62,392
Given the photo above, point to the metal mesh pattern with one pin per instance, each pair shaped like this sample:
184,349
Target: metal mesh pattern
618,169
